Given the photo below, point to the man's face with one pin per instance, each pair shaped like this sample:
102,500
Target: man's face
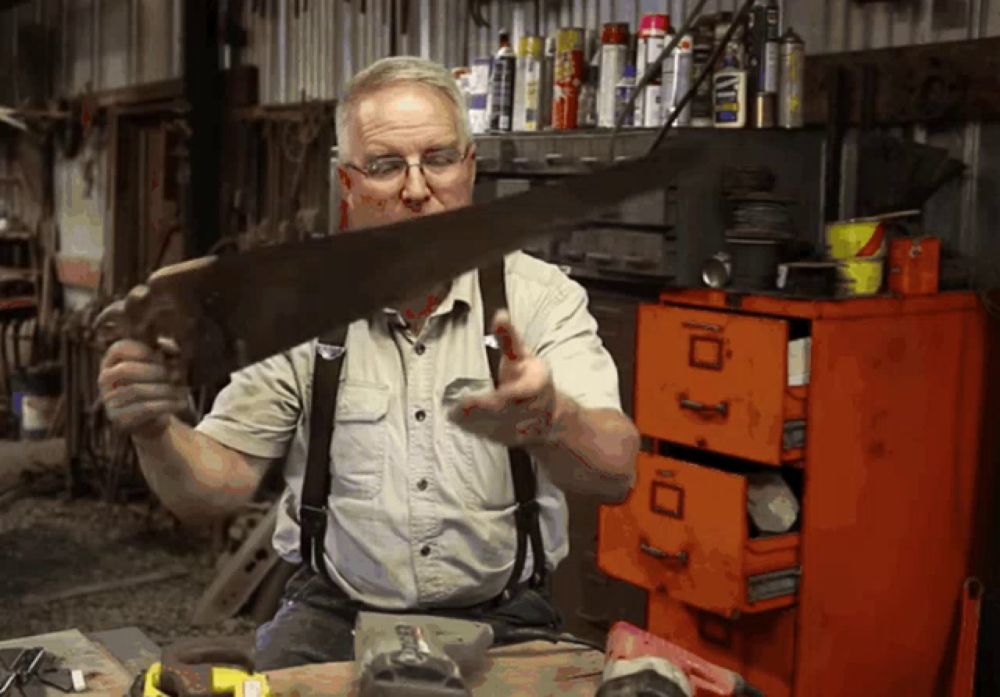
414,123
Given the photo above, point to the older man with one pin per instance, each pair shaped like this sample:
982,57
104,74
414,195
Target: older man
420,510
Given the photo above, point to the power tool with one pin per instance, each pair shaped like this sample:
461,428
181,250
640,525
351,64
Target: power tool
639,664
203,668
417,655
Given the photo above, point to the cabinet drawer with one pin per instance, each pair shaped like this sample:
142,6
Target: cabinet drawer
714,380
759,647
684,531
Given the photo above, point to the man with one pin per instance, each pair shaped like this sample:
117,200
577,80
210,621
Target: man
421,500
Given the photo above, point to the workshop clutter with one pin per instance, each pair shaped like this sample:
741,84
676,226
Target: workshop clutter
624,76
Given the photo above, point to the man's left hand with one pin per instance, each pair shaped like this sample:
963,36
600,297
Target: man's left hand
521,411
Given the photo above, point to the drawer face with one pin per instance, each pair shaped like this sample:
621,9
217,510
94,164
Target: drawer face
683,531
712,380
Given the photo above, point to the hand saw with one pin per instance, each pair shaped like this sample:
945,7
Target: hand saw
222,313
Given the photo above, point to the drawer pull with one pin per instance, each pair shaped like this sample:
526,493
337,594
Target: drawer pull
703,326
680,557
721,408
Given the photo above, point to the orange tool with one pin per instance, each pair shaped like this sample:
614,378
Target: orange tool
963,681
691,675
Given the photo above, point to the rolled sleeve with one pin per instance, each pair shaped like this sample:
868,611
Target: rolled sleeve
564,334
258,411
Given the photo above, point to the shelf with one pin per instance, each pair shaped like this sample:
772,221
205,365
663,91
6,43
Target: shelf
11,273
17,303
16,236
556,153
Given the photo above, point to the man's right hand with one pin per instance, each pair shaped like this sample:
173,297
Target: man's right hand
137,391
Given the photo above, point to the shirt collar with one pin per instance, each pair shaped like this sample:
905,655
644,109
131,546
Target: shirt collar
462,291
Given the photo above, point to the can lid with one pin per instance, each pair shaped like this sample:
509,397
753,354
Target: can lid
654,22
614,33
790,37
531,46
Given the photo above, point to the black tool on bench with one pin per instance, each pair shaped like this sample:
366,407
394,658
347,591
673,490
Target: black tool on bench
26,673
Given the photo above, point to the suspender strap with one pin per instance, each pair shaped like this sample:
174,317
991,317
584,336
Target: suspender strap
329,360
494,295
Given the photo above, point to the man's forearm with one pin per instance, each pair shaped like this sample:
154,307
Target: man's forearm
596,448
195,477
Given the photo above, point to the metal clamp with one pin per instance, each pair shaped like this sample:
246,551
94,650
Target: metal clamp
721,408
680,557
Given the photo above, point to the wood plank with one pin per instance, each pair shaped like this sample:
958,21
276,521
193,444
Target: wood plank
534,668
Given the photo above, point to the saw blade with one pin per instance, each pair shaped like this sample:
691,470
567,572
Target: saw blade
227,312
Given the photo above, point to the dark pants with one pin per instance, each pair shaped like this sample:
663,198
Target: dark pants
315,621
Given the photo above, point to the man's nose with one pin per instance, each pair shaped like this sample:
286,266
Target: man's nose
415,189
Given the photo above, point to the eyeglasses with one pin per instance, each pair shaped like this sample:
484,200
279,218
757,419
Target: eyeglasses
435,165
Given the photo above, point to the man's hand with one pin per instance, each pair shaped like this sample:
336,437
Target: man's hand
138,393
522,410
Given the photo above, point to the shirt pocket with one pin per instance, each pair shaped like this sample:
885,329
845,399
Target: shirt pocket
358,449
479,465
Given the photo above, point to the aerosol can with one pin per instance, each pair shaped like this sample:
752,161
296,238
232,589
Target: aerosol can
729,96
677,79
501,97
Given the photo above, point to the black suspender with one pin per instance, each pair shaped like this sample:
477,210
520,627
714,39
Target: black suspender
494,291
328,361
316,482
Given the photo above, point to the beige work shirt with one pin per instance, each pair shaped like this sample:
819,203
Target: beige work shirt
420,511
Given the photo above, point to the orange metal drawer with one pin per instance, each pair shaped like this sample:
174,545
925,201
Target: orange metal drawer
716,380
683,530
759,647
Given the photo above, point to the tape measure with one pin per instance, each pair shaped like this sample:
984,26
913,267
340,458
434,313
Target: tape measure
226,680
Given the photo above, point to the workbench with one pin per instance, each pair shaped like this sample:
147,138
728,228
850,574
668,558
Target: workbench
111,660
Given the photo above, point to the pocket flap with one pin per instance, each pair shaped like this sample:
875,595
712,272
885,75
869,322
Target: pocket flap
362,401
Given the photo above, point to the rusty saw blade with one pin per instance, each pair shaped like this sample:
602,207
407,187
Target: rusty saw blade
220,313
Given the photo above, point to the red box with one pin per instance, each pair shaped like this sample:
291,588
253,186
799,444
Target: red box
913,265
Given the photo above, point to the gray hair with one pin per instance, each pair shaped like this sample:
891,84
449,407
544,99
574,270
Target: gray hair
395,69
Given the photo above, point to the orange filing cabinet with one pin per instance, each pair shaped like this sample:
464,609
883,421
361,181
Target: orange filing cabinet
861,596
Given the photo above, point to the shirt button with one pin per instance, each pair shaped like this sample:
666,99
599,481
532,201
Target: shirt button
422,484
420,348
421,415
425,551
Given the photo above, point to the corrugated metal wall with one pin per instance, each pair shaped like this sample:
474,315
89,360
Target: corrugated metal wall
311,53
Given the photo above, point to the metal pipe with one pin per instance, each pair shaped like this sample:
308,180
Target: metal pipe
95,45
133,42
282,51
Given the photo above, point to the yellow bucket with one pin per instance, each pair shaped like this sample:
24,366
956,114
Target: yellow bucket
856,240
859,277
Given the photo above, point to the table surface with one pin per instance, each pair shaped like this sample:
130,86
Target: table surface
535,669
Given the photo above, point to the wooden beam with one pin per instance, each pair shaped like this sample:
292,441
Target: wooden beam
946,82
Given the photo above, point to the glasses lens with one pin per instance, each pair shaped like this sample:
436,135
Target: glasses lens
385,167
441,160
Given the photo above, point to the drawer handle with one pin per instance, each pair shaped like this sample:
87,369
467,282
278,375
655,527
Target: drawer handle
680,557
721,408
703,326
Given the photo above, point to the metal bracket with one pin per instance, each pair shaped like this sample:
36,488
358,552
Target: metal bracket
774,584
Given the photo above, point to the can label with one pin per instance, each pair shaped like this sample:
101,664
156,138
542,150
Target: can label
623,92
501,107
526,101
770,67
791,85
613,57
479,86
677,79
649,110
569,71
730,99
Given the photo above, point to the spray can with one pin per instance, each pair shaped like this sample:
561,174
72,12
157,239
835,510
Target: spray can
614,57
623,93
479,91
545,96
527,83
652,37
587,115
569,74
764,28
677,78
729,95
792,82
704,41
501,98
